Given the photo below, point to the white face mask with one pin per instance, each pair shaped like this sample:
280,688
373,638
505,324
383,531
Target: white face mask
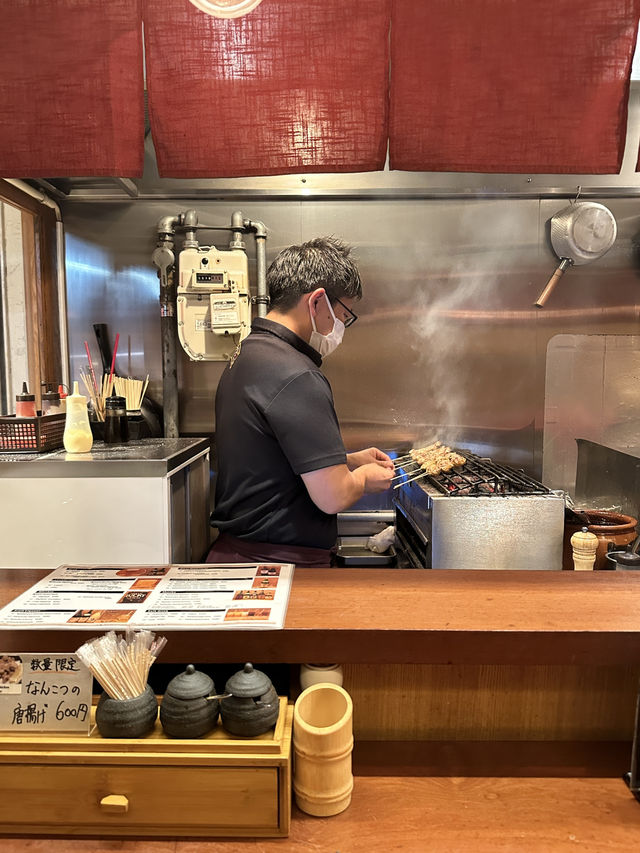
326,344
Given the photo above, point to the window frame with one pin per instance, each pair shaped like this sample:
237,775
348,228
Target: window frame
41,290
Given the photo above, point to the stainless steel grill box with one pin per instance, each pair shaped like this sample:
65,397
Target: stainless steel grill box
518,529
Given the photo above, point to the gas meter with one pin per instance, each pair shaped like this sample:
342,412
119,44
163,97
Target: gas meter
214,305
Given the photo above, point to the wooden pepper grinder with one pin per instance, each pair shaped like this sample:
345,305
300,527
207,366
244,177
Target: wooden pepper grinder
585,545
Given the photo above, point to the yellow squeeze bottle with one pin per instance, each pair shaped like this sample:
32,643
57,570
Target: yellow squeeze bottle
77,437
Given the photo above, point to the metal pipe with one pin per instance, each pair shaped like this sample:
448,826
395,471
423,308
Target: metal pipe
164,258
189,221
262,294
237,227
169,334
167,225
61,281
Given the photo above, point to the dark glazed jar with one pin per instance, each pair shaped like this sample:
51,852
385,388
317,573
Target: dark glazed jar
127,717
614,531
185,711
253,706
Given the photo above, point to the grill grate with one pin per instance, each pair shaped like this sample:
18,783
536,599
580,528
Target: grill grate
480,476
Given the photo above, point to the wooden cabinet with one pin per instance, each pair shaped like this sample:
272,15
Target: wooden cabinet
216,785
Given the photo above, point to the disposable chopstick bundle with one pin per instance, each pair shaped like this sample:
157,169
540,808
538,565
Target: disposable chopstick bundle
121,664
107,385
133,390
97,395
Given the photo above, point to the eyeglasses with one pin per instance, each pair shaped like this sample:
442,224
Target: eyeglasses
350,318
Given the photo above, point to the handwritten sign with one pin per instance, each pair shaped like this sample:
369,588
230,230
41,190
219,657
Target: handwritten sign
44,693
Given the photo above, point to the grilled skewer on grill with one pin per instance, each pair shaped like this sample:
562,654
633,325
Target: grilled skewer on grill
410,457
432,460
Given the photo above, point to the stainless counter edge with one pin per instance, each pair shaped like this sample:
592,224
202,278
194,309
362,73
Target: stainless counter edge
144,458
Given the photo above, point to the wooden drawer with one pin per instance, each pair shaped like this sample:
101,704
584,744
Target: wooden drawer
216,785
197,798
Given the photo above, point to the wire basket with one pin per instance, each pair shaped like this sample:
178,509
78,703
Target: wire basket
31,435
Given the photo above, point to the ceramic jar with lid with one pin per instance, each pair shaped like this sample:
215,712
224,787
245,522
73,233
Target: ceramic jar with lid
185,711
252,706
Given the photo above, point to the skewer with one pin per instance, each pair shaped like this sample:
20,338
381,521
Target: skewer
417,477
405,474
107,386
91,370
96,400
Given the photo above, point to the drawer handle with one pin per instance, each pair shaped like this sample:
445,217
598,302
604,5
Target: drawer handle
115,804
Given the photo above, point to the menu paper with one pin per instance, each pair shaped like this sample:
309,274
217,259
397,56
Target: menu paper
44,693
226,596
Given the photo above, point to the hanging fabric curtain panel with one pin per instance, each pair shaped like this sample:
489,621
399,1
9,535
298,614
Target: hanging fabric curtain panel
71,88
293,86
510,85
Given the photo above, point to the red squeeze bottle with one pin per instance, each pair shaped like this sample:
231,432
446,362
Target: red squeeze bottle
25,403
63,395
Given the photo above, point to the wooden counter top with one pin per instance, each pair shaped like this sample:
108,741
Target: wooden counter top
428,815
410,616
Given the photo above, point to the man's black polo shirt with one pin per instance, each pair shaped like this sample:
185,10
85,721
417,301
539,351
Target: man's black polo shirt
275,420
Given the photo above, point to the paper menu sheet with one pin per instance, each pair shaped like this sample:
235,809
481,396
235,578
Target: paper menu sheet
226,596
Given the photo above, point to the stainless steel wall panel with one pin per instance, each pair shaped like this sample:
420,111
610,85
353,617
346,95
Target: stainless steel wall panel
448,342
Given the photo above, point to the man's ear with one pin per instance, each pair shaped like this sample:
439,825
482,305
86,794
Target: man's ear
314,298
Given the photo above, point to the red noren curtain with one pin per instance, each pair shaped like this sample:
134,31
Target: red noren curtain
510,85
294,86
71,88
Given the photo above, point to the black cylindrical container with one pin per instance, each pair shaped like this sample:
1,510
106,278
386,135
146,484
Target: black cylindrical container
116,426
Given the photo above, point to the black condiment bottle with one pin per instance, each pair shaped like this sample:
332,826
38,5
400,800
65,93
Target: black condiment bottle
116,426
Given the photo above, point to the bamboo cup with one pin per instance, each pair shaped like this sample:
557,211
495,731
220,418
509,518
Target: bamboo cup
322,747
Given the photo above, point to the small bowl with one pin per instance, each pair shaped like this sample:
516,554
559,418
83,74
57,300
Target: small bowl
624,560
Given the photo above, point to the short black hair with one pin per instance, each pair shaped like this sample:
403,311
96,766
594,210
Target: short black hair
323,262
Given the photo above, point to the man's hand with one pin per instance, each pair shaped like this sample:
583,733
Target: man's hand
336,488
364,457
377,477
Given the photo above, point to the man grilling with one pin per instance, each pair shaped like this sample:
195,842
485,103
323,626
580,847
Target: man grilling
283,473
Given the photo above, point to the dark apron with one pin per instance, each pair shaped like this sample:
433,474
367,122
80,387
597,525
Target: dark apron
230,549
